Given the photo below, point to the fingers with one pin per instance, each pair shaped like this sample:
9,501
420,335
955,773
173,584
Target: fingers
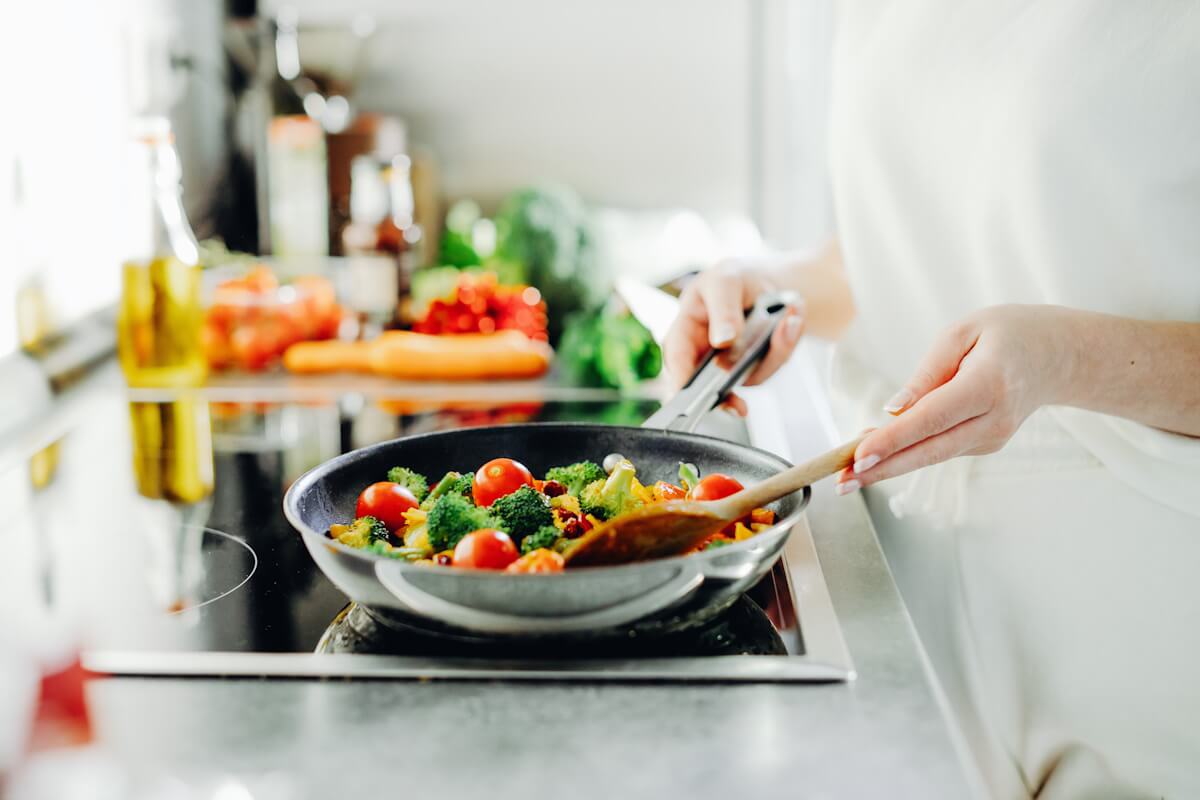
956,441
686,342
736,404
939,365
723,296
949,405
783,343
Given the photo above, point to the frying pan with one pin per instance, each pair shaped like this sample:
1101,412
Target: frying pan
643,598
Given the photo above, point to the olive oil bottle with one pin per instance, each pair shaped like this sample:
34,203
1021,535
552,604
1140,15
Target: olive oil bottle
158,323
158,332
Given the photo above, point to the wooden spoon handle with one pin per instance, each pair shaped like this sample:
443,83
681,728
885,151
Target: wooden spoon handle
791,480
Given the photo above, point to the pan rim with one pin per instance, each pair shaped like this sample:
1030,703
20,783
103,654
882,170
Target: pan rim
781,526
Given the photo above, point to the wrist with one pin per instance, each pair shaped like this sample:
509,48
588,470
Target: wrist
1073,333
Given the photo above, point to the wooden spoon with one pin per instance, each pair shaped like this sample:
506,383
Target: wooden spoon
673,527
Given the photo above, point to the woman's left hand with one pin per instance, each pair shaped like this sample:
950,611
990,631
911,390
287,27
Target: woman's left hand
981,379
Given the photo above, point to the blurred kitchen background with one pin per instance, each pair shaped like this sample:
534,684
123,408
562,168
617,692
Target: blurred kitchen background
691,130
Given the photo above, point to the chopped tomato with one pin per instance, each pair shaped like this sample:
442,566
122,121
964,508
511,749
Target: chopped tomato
538,561
668,491
716,486
486,548
387,502
762,516
499,477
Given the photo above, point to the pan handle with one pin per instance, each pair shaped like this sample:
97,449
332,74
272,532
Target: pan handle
666,594
719,373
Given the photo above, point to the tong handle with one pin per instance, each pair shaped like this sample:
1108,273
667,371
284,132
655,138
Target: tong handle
720,372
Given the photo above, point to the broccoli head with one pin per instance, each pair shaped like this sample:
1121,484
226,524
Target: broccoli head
453,517
464,485
523,512
362,532
577,476
546,536
613,496
415,482
439,488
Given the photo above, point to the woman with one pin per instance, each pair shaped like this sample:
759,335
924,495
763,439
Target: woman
1017,277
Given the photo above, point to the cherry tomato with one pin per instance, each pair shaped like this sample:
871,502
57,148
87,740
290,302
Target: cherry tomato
387,502
538,561
499,477
716,486
485,548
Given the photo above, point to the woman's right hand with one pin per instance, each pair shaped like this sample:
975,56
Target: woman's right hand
712,313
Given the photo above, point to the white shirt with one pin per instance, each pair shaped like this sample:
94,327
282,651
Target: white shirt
1000,152
1031,152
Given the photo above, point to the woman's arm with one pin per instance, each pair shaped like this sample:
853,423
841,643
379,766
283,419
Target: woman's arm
712,308
985,375
822,285
1144,371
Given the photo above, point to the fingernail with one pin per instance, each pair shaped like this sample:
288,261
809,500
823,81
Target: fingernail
846,487
792,328
899,402
864,464
721,334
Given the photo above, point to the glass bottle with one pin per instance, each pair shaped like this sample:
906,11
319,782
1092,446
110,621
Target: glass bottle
158,323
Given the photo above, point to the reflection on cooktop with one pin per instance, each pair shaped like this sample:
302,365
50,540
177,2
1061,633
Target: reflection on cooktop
744,629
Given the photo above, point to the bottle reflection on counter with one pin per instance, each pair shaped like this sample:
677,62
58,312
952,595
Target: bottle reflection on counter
172,449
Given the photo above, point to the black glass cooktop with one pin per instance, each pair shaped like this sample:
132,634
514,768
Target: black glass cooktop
223,571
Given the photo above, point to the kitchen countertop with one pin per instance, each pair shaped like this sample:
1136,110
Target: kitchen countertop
886,734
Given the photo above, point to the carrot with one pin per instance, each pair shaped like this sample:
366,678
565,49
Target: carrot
418,356
331,356
415,356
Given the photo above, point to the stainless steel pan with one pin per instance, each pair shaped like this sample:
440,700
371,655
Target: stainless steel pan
634,599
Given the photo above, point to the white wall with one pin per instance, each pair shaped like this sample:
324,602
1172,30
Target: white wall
638,104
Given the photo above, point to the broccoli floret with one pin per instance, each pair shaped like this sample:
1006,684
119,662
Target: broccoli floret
523,512
415,482
464,485
448,482
362,532
613,496
546,536
577,476
453,517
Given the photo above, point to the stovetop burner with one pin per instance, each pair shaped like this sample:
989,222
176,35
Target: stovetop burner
743,629
204,565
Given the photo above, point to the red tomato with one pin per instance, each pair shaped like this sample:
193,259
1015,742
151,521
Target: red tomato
668,491
387,502
499,477
715,486
485,548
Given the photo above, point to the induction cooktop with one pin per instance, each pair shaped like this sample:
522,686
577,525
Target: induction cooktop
221,585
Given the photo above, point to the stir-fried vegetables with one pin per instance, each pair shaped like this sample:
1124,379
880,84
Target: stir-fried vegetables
576,476
453,517
612,496
415,482
523,512
503,518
